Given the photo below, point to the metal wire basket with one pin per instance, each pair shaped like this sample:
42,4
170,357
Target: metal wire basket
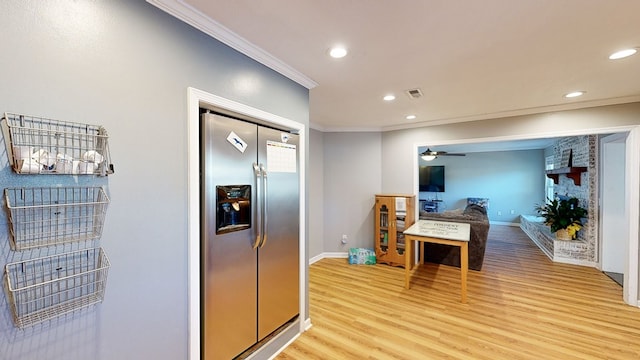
48,287
55,215
38,145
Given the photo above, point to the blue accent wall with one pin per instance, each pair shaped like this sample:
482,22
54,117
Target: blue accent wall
511,180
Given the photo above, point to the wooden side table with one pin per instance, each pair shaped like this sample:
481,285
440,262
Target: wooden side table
438,232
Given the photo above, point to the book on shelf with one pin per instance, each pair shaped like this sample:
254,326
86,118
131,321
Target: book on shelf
384,220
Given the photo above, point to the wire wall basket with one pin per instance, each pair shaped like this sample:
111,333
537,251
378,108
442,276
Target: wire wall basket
56,215
48,287
38,145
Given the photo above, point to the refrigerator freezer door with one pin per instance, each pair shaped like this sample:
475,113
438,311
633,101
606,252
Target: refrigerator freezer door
228,261
278,278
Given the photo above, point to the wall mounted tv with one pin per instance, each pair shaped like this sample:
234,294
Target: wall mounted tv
431,178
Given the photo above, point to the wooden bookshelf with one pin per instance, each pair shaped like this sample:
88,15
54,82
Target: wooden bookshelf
390,222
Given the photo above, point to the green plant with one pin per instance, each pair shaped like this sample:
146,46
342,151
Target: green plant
562,214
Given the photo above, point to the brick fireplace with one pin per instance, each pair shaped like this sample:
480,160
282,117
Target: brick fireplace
583,250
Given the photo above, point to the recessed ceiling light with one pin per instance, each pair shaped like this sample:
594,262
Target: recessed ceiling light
622,54
338,52
574,94
410,117
389,97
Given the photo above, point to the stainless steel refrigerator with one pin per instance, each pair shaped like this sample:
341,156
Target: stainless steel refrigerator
250,225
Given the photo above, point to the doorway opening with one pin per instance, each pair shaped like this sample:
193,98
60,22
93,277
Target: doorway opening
613,220
631,185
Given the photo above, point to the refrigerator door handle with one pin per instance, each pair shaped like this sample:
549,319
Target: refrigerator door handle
264,205
257,207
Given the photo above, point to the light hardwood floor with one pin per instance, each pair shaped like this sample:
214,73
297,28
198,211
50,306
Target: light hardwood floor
520,306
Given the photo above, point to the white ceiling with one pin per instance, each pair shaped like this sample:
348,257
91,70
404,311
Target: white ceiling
472,60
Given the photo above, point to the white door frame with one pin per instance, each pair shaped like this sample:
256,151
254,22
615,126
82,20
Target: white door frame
195,100
632,210
611,181
632,190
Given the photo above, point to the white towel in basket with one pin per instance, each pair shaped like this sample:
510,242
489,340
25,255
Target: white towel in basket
30,166
65,164
92,156
45,159
86,167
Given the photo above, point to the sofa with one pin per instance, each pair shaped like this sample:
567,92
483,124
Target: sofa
474,215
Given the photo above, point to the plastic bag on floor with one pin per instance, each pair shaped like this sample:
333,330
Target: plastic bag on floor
361,256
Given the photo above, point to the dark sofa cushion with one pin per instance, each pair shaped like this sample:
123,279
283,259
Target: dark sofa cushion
474,215
476,210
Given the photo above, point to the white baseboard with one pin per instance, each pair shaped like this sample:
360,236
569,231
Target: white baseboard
504,223
574,261
307,324
341,255
533,239
315,259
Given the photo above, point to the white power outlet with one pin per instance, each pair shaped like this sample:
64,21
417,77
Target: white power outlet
344,239
499,213
513,212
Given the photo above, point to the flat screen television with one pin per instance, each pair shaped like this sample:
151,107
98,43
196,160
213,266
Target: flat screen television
431,178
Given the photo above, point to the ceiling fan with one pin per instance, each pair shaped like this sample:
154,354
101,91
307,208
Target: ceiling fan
429,155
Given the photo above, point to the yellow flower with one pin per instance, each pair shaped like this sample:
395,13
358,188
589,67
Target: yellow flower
573,229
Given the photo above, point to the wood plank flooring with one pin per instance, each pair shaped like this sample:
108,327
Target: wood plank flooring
520,306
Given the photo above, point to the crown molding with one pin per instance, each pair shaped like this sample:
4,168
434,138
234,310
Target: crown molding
190,15
520,112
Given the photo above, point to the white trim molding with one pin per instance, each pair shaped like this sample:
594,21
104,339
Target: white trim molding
194,17
329,255
506,223
195,100
632,211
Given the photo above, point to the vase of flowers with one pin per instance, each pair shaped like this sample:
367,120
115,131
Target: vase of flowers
563,216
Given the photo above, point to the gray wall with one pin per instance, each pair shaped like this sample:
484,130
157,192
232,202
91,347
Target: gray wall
316,193
512,180
398,146
125,65
352,174
352,160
